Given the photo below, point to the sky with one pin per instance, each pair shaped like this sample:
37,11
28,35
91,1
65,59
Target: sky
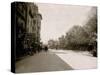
59,18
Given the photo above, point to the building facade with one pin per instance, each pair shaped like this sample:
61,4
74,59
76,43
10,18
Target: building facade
28,26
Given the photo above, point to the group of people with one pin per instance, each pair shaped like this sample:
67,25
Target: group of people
31,50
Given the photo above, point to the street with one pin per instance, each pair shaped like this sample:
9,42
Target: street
41,62
77,59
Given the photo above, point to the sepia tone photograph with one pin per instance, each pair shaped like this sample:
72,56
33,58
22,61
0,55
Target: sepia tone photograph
53,37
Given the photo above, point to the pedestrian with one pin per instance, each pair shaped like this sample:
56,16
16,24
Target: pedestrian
46,48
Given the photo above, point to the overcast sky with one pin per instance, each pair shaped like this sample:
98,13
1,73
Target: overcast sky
58,19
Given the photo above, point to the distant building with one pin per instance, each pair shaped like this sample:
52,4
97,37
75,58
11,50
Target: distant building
28,25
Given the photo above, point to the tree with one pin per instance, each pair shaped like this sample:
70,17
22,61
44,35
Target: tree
91,28
53,44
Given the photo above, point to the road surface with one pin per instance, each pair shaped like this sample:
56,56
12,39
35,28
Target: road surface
41,62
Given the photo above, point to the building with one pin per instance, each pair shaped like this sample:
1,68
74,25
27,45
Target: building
28,26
